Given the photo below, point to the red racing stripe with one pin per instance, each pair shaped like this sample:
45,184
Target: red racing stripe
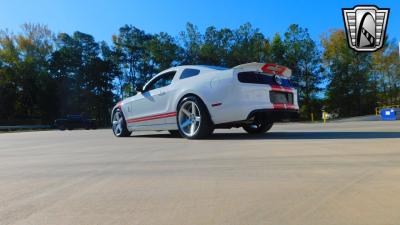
152,117
284,106
274,69
281,88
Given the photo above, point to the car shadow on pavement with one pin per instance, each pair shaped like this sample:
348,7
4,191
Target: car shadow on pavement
290,135
308,135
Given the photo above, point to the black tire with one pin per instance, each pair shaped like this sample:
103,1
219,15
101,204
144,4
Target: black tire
258,127
205,126
61,127
123,132
175,133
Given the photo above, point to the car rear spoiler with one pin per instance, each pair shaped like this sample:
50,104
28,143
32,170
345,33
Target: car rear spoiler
268,68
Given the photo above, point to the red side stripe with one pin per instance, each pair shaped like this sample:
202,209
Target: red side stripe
279,106
284,106
281,88
152,117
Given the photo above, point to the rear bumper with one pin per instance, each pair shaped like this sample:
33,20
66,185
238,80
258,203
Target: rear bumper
244,99
274,115
267,115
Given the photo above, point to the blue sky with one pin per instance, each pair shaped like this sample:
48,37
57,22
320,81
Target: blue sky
103,18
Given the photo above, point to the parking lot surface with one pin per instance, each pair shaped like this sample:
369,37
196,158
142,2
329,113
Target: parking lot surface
341,173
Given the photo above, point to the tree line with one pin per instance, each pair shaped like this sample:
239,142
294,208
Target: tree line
44,75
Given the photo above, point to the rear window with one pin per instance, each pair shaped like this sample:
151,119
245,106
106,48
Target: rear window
189,73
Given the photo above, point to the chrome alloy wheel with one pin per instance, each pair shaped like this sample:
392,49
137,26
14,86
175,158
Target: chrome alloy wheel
189,118
117,123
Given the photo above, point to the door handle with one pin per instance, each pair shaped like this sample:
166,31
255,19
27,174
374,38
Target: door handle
161,93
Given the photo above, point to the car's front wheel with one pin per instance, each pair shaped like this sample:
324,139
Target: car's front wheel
193,119
61,127
258,127
119,125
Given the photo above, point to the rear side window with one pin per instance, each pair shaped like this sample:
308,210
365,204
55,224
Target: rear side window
189,73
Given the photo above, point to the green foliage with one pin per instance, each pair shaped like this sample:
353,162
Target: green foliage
248,46
216,47
25,80
350,91
386,73
164,52
9,58
44,76
192,41
277,50
83,76
301,54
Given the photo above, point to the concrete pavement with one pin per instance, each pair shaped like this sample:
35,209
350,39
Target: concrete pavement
344,173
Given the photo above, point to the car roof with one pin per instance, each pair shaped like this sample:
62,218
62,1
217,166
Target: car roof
203,68
199,67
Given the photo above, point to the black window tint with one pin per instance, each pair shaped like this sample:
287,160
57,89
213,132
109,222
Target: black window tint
167,80
189,73
156,84
162,81
257,78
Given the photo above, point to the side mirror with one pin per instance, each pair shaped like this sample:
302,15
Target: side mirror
139,88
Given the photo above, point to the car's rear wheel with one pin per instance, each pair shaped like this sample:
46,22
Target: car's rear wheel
258,127
193,119
119,124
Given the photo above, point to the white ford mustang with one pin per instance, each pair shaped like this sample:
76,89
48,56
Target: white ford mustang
192,101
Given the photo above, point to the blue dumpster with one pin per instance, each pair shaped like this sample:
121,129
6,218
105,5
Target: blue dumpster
390,114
